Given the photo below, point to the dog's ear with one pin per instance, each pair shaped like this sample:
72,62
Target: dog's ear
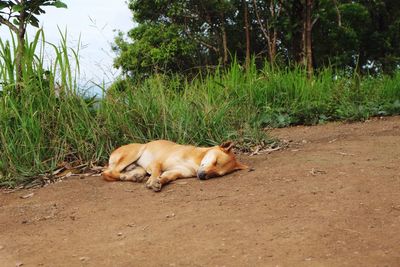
240,166
227,146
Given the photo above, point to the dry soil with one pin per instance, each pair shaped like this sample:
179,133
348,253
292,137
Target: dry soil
332,198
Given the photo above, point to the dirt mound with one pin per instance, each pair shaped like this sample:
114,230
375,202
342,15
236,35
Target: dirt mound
331,198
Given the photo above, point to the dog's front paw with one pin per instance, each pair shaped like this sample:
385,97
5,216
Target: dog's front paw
154,184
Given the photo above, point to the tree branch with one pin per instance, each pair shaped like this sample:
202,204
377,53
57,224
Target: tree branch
209,46
8,24
264,31
314,21
339,16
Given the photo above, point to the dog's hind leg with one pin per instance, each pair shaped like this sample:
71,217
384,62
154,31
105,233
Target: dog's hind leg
135,174
120,159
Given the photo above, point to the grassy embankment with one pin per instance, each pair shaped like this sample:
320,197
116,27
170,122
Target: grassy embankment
50,122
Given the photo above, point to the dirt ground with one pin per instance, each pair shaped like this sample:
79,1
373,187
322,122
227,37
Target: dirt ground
332,198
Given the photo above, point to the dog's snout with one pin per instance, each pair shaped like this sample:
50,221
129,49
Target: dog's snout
202,175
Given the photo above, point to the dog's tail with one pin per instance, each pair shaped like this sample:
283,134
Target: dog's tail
122,158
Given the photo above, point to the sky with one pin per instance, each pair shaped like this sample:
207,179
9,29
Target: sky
95,22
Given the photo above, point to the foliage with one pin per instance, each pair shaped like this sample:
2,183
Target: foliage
16,15
156,47
361,34
50,122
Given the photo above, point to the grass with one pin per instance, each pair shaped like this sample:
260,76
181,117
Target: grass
50,122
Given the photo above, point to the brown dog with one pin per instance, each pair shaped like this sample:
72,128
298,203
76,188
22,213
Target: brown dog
166,161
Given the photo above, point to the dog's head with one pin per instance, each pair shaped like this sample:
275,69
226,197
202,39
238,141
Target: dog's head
218,161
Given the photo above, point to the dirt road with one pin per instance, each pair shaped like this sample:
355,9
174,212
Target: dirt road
331,199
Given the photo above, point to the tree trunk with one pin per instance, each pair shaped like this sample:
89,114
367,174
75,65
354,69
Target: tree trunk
308,39
296,16
339,16
19,58
224,41
20,49
247,30
225,45
274,38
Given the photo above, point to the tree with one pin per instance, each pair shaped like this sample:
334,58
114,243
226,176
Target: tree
345,34
380,41
361,35
17,15
154,48
308,38
268,24
247,31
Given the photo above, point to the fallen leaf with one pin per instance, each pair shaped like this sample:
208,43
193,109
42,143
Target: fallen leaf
84,258
27,196
316,172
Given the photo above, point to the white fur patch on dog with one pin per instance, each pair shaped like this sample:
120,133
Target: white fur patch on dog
209,159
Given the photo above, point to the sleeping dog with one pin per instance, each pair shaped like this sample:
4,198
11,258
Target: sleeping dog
166,161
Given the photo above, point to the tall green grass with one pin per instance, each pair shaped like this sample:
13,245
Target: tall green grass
50,122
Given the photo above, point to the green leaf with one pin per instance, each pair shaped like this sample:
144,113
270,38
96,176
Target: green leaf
38,11
3,4
59,4
17,8
34,21
16,22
